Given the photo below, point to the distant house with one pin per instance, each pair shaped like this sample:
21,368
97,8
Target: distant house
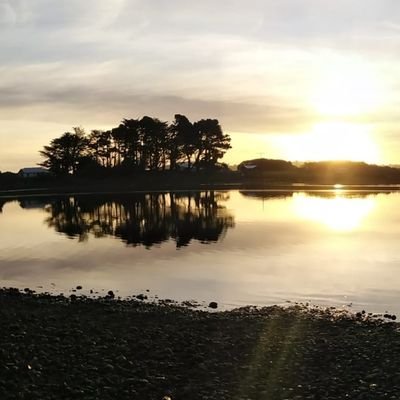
32,172
249,166
183,166
266,165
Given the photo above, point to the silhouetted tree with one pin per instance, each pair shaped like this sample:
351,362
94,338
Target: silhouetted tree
153,139
128,142
145,144
65,153
211,142
185,140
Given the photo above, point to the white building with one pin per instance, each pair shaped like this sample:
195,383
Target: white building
32,172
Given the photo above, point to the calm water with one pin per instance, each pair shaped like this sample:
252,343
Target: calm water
331,248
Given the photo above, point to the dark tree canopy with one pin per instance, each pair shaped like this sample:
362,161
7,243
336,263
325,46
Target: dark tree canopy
65,153
212,143
146,144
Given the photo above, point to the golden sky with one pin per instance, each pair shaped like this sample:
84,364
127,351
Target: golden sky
293,79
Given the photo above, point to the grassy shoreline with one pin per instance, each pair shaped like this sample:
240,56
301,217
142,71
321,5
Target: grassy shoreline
53,347
126,189
180,181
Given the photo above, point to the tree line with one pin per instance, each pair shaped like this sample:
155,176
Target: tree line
146,144
318,172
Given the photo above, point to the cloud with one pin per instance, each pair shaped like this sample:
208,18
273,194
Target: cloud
64,14
77,105
104,92
7,14
93,62
104,29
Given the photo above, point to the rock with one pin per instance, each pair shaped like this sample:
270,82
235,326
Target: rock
213,305
121,358
390,316
109,367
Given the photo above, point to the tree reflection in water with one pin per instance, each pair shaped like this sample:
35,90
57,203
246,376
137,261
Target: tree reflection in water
2,202
143,219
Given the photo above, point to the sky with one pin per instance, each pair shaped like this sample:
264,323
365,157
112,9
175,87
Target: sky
292,79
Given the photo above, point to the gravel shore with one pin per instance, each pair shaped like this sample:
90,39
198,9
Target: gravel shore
60,348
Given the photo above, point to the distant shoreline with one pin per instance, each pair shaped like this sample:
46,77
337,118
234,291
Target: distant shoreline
124,187
253,174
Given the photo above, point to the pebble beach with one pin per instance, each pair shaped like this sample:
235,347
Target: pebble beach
55,347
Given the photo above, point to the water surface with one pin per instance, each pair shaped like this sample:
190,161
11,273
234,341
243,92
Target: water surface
333,247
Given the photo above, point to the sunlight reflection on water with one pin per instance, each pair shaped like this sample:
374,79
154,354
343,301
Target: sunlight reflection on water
251,247
338,212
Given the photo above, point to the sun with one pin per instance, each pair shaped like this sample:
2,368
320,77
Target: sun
344,93
342,141
332,141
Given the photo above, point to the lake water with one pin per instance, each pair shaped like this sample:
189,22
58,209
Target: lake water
333,247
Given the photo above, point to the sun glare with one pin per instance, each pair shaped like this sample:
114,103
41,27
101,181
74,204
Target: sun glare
344,94
332,141
346,90
339,213
342,141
